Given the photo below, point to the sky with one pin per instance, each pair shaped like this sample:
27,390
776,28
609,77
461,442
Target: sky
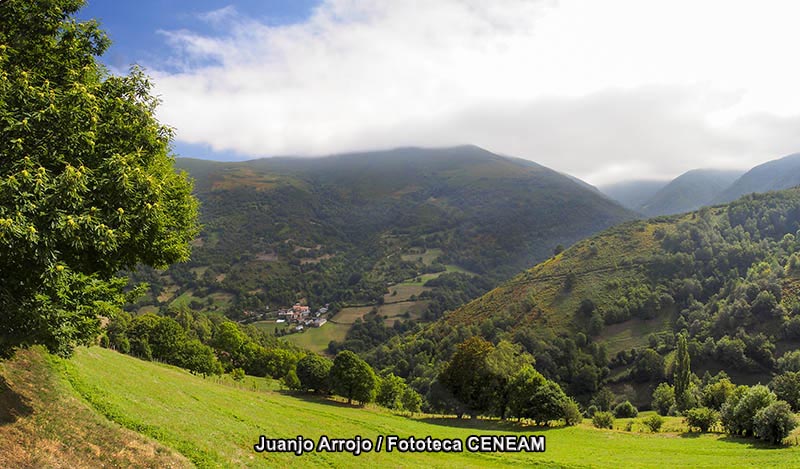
606,91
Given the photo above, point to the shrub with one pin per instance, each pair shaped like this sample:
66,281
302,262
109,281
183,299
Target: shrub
572,414
774,422
625,410
653,422
237,374
591,410
603,419
701,418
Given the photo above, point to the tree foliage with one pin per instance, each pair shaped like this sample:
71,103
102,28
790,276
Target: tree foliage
352,378
313,372
774,422
663,398
701,418
467,374
787,388
682,373
87,185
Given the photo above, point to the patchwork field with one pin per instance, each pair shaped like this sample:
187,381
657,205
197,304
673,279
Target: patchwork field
215,425
317,339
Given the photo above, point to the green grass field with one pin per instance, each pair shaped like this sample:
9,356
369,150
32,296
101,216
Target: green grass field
317,339
216,425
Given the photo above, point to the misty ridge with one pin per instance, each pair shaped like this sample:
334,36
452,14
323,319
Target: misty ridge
701,187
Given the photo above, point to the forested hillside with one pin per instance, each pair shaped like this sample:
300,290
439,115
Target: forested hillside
607,311
340,229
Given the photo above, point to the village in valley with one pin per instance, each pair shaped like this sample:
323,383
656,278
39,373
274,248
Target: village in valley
298,317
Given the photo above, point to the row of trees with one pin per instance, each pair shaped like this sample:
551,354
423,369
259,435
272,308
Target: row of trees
352,378
204,344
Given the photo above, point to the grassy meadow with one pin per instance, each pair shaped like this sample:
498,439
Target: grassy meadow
215,425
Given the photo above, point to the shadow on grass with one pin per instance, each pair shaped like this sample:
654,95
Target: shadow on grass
318,399
751,443
484,424
12,404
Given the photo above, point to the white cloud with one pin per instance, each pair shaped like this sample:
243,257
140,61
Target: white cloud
601,90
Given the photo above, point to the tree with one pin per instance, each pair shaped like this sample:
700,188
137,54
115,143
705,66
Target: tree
502,363
682,373
87,184
787,388
774,422
313,371
291,381
411,400
741,421
603,399
663,398
467,373
716,394
534,397
649,366
390,391
353,378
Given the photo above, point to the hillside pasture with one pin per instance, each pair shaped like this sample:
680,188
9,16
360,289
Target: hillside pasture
217,425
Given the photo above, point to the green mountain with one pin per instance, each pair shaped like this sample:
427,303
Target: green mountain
606,311
689,191
632,194
339,229
773,175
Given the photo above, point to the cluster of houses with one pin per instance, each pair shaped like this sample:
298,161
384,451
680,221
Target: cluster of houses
302,316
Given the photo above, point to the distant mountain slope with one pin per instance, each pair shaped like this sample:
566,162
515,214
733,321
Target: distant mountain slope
335,228
773,175
689,191
632,194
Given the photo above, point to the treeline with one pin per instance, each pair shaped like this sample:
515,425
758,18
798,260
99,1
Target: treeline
351,377
203,344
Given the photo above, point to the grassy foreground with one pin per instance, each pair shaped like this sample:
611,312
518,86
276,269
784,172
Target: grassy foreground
215,425
44,423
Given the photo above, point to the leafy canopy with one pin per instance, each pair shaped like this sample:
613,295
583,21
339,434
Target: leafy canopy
87,185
